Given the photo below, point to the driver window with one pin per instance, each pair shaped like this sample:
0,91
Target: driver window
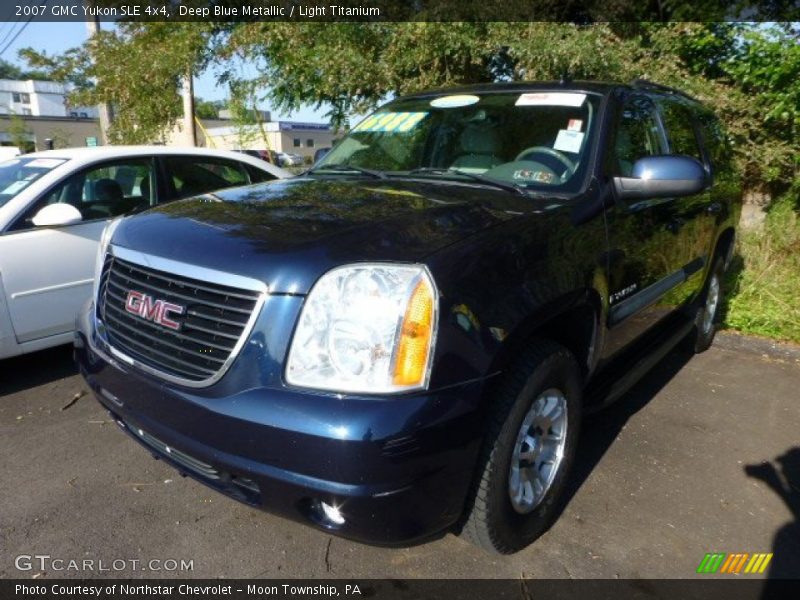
100,192
638,135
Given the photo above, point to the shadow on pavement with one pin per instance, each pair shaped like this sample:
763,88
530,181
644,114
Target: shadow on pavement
35,369
599,430
782,476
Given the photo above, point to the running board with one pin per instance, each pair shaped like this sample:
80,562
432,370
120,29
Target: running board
603,392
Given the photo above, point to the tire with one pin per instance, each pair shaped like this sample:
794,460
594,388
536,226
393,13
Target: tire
707,316
502,517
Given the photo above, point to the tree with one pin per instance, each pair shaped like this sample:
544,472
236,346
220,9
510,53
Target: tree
207,109
137,69
9,71
18,133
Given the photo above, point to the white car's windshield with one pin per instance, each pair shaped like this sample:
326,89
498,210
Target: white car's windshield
530,140
18,173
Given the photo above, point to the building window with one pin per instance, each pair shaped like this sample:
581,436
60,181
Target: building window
26,111
309,143
21,98
297,143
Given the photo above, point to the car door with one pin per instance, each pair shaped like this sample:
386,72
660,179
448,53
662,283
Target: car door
697,213
646,237
48,271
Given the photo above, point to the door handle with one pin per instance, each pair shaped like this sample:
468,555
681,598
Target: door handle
715,208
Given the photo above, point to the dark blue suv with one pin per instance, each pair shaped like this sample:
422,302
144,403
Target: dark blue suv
402,341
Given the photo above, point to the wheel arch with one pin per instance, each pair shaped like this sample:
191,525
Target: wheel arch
726,241
573,321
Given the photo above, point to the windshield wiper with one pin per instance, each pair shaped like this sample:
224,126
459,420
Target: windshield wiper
346,167
509,187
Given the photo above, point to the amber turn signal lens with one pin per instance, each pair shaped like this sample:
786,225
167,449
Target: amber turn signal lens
415,337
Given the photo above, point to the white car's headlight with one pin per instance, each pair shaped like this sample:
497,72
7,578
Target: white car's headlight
366,328
102,248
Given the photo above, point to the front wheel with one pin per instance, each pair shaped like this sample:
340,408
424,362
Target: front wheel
528,451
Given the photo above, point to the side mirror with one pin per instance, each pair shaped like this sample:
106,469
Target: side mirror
57,214
661,177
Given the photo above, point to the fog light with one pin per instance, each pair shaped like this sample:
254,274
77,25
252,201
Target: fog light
332,514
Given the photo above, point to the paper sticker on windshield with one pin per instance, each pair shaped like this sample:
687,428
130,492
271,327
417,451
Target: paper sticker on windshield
391,121
45,163
568,141
14,188
551,99
454,101
575,125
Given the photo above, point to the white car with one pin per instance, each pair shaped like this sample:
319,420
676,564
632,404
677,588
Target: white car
289,160
54,206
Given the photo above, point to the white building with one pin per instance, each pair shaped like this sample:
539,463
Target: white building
39,99
281,136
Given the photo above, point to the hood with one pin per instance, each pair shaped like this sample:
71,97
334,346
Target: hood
290,232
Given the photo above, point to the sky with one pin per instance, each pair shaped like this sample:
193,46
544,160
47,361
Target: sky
54,38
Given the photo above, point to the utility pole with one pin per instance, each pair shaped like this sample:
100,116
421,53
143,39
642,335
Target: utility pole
103,109
187,91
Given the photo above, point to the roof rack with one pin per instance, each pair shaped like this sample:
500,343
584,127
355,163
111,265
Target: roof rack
646,84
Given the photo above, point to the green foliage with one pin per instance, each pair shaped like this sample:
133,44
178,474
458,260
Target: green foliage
207,109
765,280
19,133
137,69
9,71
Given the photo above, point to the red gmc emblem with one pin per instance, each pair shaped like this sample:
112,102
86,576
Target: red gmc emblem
150,309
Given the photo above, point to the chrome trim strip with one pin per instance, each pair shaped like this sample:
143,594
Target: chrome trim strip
52,288
186,270
192,272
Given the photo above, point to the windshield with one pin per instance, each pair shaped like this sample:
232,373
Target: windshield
18,173
534,140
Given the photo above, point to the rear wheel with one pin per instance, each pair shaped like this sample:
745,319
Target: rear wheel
528,451
707,316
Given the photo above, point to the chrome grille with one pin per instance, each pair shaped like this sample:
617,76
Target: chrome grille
214,320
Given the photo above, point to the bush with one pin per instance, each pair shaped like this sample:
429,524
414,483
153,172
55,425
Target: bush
764,283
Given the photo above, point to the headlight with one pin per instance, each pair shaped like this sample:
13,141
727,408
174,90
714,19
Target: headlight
366,328
105,240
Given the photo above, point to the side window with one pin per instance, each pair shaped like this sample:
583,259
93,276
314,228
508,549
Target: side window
100,192
638,134
258,176
717,143
193,175
677,121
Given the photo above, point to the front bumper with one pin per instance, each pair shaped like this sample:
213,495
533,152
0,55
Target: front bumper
398,469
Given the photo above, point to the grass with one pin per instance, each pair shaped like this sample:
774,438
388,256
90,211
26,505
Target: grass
763,285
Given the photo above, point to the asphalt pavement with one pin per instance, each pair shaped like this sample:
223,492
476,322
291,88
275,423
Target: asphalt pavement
702,456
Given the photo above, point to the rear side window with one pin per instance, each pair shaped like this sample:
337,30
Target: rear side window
716,143
258,176
681,134
193,175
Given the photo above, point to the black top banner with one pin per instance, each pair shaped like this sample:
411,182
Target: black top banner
578,11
